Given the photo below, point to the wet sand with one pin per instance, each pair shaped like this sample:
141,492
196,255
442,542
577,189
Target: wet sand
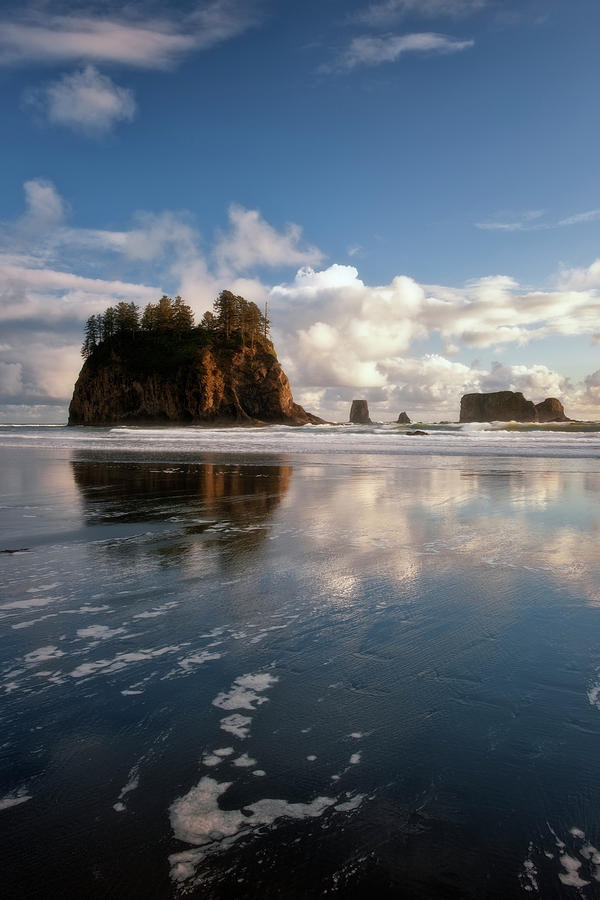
286,675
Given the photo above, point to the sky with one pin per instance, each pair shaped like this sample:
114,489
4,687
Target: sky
412,185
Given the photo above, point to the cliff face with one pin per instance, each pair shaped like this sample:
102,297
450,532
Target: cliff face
551,410
214,385
509,406
359,413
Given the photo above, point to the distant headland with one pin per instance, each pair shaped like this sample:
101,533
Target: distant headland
157,367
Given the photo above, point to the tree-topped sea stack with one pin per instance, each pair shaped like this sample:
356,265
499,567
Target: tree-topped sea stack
157,367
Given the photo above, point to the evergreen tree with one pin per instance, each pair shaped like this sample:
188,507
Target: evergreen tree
183,317
127,318
226,310
107,326
91,336
164,314
254,322
149,317
209,322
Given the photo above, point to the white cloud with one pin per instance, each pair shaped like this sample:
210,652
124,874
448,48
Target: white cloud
529,221
11,380
368,50
252,242
335,333
122,37
44,295
536,382
151,237
44,207
379,14
592,389
592,215
582,279
84,101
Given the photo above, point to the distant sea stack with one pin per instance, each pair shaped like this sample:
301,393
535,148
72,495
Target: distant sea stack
359,413
403,419
155,372
509,406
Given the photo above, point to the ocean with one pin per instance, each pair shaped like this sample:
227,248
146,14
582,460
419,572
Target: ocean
299,662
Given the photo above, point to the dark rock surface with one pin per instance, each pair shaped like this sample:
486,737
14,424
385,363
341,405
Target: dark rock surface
215,385
359,413
551,410
403,419
509,406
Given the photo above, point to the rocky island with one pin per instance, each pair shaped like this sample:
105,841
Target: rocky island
158,368
509,406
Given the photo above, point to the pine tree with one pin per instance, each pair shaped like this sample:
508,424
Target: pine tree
225,307
164,314
91,336
107,327
183,317
149,317
127,318
209,322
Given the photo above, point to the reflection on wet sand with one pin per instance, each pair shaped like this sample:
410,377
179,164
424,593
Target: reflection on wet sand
226,504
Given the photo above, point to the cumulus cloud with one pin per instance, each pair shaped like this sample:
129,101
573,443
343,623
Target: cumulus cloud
592,389
370,50
336,334
151,236
343,335
51,296
251,241
84,101
44,207
582,279
131,36
379,14
11,380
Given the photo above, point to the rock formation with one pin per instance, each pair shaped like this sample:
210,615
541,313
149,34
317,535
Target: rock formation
509,406
141,383
359,413
551,410
403,419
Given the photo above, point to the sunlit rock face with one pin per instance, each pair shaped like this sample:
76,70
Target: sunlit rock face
214,386
551,410
359,413
509,406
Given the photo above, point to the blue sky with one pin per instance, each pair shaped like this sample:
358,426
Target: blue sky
430,167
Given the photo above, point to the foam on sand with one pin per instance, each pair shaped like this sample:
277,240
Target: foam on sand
43,654
99,632
14,799
244,761
133,780
245,692
237,725
217,756
197,818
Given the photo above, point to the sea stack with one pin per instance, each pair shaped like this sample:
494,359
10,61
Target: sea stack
359,413
160,371
509,406
403,419
551,410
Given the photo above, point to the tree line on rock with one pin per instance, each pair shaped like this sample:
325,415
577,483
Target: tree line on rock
232,317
